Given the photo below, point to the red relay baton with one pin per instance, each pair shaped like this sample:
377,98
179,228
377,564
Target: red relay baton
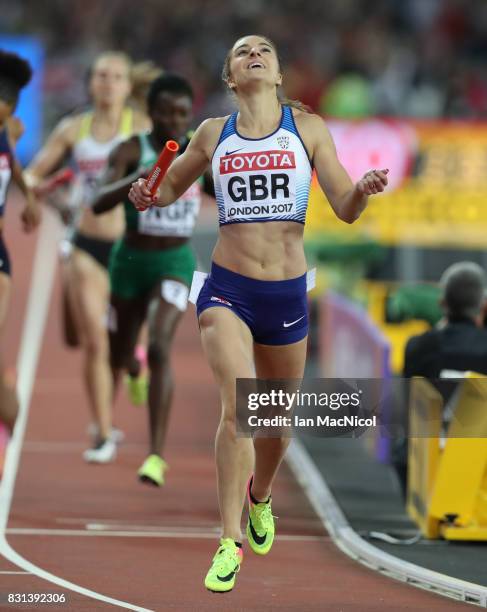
158,172
63,176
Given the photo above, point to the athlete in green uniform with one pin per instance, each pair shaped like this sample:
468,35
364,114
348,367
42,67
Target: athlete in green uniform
151,267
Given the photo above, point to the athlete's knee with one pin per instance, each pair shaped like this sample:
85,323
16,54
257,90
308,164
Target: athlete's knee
205,321
158,351
96,344
229,426
228,421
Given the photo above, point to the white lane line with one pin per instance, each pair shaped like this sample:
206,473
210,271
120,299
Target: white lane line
192,532
45,263
5,572
215,529
37,308
55,446
76,447
122,524
159,533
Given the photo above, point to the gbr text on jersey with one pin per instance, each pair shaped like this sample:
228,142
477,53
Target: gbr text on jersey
259,184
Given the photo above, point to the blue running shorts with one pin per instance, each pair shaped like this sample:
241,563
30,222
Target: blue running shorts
276,312
4,258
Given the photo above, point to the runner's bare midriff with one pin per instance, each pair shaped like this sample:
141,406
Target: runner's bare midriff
152,243
108,226
264,251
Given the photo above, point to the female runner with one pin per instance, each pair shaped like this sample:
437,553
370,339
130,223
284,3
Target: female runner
252,309
15,74
88,138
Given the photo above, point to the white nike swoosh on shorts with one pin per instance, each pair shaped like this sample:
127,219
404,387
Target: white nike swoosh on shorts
292,322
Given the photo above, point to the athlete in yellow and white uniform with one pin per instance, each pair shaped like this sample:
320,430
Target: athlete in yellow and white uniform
88,139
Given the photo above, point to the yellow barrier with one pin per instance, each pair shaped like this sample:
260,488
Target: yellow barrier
447,489
426,407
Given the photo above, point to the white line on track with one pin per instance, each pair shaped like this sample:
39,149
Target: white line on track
9,573
214,529
158,533
75,447
45,263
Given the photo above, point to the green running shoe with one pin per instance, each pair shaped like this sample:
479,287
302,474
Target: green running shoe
225,567
138,389
260,526
152,470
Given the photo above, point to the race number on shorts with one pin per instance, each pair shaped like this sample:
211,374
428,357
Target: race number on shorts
176,293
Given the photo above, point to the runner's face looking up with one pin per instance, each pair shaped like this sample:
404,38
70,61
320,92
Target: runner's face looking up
110,81
171,115
252,60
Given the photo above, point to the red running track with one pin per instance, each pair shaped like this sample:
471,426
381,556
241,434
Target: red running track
98,527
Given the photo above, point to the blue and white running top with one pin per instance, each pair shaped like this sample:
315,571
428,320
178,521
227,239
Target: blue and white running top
5,169
261,179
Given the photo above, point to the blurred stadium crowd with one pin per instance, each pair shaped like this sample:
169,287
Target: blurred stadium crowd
353,58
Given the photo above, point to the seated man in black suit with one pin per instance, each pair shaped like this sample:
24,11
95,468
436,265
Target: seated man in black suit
460,341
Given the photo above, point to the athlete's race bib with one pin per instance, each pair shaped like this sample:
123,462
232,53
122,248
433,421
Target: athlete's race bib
176,293
197,285
259,185
177,219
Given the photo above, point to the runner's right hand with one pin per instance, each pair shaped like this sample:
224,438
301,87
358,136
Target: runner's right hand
140,195
31,215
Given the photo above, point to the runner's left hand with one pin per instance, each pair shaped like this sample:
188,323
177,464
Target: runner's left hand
373,181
